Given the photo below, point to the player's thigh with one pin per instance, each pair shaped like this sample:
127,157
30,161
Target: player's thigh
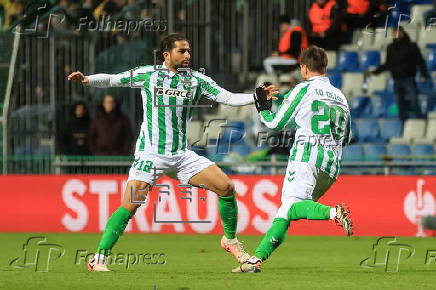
300,180
201,172
214,179
323,183
298,184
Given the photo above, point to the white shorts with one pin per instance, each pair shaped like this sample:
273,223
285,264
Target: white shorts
148,167
303,181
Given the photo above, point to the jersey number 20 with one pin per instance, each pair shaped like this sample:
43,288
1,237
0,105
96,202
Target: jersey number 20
329,120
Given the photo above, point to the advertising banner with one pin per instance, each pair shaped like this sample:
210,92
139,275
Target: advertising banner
380,205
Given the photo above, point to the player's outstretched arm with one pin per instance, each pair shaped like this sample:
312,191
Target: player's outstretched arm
100,80
211,90
286,111
239,99
97,80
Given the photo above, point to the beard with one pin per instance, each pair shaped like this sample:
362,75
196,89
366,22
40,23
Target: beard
183,64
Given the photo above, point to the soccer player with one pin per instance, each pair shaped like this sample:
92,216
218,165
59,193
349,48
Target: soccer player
322,118
168,96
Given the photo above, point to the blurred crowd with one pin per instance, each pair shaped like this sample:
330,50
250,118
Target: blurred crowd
81,16
108,133
330,23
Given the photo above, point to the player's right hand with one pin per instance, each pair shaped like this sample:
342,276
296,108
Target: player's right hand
78,77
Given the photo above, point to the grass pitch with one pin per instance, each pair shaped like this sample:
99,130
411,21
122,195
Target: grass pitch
198,262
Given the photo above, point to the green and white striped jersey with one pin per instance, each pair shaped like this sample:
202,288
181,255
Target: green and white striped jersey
167,99
322,117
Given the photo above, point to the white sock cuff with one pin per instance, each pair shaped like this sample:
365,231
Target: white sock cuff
332,213
100,258
232,241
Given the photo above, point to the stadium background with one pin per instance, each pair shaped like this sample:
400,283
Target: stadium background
387,172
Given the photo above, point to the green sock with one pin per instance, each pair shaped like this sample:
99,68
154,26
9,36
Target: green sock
228,209
273,238
114,229
309,209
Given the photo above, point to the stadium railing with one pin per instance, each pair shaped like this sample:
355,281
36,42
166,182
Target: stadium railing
61,164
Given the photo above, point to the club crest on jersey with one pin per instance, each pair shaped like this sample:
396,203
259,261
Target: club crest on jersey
173,92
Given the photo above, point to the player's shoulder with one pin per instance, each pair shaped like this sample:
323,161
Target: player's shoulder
304,84
338,92
301,88
339,97
323,83
197,73
201,75
145,69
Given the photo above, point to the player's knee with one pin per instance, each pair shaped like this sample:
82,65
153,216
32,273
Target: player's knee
136,194
226,189
285,208
142,186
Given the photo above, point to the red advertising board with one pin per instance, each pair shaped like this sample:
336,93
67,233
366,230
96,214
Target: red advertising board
380,205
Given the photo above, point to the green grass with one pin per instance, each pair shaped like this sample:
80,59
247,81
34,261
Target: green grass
197,262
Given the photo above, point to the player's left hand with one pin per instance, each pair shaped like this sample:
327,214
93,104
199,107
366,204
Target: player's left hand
263,97
272,90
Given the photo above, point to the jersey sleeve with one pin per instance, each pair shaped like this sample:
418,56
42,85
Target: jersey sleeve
287,110
210,89
235,100
133,78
